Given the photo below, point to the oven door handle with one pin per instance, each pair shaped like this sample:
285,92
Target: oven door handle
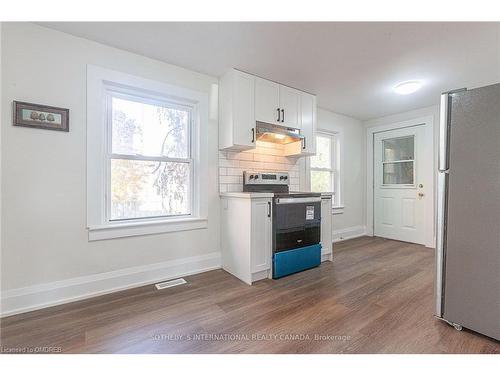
297,200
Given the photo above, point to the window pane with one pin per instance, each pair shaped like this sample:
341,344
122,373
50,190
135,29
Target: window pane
322,159
321,181
398,173
149,129
144,189
399,148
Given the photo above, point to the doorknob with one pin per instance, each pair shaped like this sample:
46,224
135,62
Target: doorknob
421,195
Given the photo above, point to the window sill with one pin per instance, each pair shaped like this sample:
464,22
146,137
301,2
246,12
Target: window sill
337,210
141,228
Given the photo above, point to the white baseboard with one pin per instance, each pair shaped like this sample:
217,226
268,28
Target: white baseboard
16,301
349,233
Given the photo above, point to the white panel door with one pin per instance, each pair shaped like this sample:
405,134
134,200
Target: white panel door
290,107
267,96
399,185
260,256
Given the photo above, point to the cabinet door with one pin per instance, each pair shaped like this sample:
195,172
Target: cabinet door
261,235
266,101
290,107
243,110
326,226
308,120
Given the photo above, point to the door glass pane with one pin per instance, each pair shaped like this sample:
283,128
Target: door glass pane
401,148
148,188
149,129
322,159
398,173
321,181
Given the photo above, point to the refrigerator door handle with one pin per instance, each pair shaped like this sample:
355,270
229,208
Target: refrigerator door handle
444,131
441,241
442,198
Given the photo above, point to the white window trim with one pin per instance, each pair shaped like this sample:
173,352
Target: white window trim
99,80
337,208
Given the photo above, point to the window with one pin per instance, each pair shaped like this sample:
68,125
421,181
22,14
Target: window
144,166
149,158
398,162
325,176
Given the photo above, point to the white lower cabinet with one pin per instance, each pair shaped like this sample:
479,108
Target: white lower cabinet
246,236
261,235
326,228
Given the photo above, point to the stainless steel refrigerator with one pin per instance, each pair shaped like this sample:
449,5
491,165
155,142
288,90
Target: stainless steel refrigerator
468,224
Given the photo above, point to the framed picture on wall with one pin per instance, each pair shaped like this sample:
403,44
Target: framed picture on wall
41,116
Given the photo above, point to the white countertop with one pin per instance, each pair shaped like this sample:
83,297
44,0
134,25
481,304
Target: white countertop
247,195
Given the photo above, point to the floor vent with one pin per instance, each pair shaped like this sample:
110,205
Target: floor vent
170,284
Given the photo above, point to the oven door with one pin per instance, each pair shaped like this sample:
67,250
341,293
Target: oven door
296,222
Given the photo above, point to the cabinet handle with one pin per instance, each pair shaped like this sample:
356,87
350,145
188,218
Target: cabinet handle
279,115
268,209
282,115
304,143
253,135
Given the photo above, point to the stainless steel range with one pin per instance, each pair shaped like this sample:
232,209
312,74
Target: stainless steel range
296,222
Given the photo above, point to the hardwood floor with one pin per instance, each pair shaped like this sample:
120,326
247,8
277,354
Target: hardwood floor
375,297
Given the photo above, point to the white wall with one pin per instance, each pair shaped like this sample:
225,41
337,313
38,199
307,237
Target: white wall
44,236
431,111
351,221
405,116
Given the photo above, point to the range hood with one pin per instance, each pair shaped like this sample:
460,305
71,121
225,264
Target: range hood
277,134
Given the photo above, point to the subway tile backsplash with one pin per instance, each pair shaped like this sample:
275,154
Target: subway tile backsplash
265,157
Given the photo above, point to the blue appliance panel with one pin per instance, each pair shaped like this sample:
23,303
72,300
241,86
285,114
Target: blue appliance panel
296,260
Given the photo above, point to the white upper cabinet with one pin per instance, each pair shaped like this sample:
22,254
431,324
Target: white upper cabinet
308,121
237,111
289,107
267,96
276,104
245,99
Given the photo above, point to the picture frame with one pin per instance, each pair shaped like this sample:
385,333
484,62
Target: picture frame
40,116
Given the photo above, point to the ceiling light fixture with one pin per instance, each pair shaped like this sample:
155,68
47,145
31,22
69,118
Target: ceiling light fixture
408,87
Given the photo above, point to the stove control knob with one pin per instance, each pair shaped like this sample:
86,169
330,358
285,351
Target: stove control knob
251,177
256,176
285,177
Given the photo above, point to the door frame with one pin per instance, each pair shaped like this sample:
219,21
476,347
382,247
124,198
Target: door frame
429,168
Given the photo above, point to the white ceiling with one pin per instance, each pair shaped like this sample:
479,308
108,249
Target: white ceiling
352,67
